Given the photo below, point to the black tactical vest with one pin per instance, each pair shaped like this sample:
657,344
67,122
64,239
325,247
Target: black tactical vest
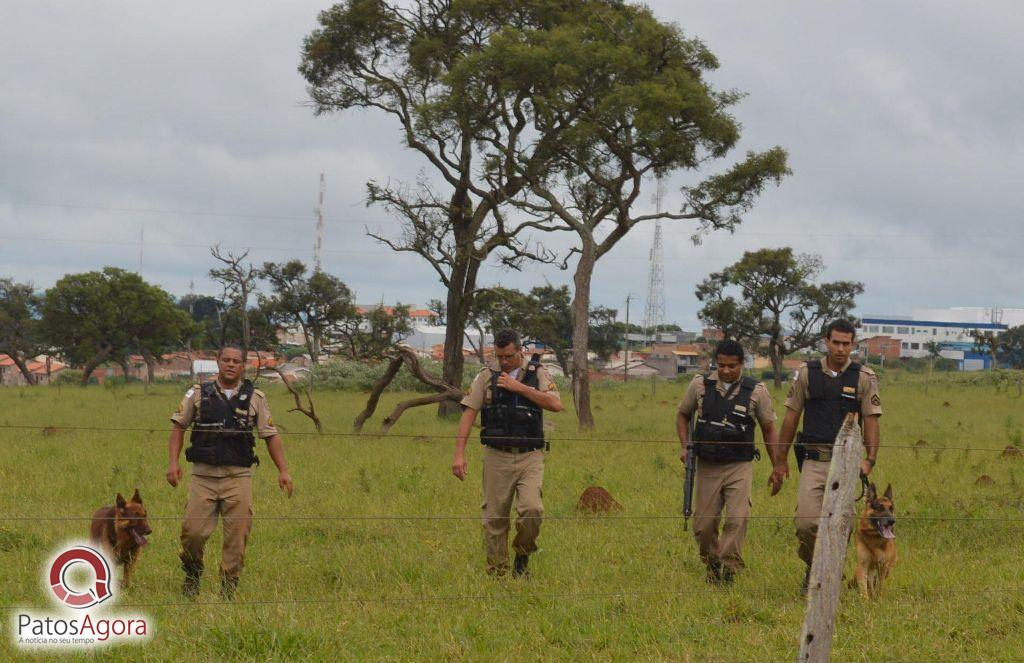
829,400
724,430
222,435
511,420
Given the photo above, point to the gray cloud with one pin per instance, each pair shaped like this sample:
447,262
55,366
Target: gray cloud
902,121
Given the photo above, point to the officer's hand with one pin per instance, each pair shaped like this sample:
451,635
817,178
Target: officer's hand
284,480
459,466
173,474
508,383
682,455
865,468
779,474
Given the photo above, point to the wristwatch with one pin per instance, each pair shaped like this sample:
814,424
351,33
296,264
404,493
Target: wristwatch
870,460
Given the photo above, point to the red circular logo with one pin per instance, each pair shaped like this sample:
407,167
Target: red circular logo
73,597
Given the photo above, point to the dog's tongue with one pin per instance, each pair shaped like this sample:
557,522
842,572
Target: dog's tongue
139,539
887,532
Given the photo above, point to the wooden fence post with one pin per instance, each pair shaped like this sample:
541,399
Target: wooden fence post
837,520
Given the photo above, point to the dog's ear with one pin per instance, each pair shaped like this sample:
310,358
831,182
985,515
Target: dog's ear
120,501
888,492
136,498
872,492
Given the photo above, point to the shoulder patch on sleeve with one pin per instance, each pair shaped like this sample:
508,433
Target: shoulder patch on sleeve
188,394
876,401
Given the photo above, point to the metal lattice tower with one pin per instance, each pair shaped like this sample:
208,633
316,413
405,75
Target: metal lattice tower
654,310
319,244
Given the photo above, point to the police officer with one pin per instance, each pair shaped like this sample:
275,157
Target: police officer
825,391
727,407
222,413
512,398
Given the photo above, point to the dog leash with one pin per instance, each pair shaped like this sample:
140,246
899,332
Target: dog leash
863,487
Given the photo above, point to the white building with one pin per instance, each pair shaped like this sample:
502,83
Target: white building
950,328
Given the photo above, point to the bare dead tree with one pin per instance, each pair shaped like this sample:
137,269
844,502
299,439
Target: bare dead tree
239,282
403,355
308,410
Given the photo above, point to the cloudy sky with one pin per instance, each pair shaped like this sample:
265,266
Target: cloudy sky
184,125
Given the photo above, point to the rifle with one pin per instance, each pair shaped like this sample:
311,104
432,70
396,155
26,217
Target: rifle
691,474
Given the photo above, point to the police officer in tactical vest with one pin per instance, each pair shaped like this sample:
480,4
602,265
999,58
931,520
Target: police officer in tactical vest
222,413
825,391
721,411
511,398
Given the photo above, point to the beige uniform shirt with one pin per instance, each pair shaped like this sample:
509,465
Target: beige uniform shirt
259,410
480,391
867,389
760,399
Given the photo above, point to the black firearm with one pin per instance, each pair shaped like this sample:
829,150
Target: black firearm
691,474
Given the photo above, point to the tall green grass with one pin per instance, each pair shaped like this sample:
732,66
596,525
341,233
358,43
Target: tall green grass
601,587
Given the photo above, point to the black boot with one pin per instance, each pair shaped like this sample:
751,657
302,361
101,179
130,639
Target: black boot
728,575
714,575
193,574
228,586
519,566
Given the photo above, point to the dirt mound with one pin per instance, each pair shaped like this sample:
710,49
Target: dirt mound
597,500
946,404
50,430
1012,452
921,444
984,480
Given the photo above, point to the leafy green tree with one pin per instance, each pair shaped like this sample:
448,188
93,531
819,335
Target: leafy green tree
622,98
369,334
771,292
94,317
314,304
20,334
418,63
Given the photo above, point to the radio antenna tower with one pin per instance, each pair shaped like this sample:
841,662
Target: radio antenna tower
319,245
654,310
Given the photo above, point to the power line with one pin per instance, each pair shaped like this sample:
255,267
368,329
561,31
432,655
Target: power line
418,437
639,230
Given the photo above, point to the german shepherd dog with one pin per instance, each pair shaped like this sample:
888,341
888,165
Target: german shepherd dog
876,542
121,531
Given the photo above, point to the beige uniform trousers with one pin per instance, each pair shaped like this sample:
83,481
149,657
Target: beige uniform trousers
722,485
809,496
231,497
506,476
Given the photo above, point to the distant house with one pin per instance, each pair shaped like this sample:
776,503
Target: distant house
43,369
673,360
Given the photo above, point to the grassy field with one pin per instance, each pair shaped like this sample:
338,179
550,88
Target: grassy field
601,588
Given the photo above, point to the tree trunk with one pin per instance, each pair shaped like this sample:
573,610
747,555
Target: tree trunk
460,299
150,366
581,335
23,367
98,358
775,354
125,368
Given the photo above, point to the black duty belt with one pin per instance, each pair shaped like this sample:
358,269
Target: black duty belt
822,455
513,450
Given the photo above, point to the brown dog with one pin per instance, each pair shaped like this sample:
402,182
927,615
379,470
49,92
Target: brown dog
121,530
876,542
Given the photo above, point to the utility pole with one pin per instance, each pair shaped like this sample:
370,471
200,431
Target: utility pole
319,245
142,243
625,364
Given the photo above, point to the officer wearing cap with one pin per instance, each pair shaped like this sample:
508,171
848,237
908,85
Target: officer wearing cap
825,392
511,398
721,410
222,413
